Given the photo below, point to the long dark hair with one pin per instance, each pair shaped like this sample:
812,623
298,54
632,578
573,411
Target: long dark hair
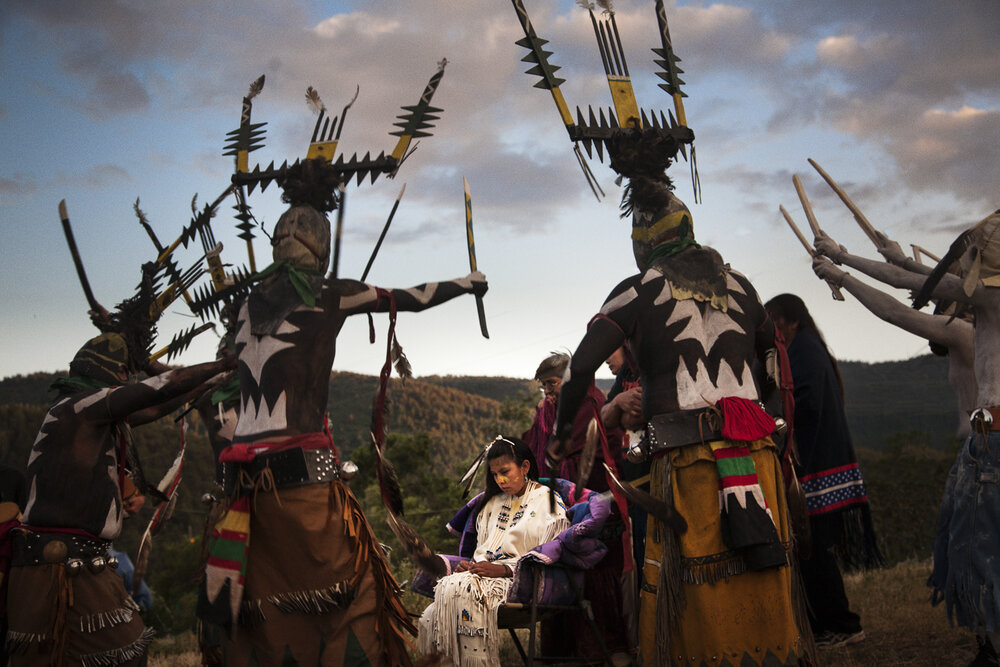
792,309
513,448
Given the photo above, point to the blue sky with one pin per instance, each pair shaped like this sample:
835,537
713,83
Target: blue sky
104,102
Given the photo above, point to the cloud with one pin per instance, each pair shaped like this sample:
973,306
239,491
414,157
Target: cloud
912,80
727,37
874,72
19,185
100,176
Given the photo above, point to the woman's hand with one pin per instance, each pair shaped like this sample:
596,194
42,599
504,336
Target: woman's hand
463,566
486,569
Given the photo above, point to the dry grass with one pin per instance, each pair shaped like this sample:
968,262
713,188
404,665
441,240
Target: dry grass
175,651
900,625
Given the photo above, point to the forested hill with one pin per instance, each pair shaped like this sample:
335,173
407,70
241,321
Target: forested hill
893,397
461,413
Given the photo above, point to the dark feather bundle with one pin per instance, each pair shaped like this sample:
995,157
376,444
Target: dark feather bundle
131,319
659,509
312,183
416,547
957,249
388,482
643,157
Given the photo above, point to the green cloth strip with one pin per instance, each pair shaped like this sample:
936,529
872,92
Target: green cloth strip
671,248
737,465
298,277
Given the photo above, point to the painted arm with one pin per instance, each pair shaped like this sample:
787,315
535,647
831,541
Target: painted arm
949,288
894,254
602,338
154,412
357,297
118,403
935,328
605,334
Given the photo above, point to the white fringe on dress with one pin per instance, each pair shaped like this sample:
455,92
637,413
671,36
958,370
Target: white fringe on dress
461,623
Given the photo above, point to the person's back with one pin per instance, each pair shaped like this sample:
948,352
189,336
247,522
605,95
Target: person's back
695,328
711,350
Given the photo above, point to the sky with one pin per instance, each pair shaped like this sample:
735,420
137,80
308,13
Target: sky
107,102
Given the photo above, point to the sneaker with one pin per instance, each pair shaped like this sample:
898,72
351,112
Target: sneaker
986,655
838,639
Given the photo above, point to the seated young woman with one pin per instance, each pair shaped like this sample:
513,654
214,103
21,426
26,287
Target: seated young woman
514,517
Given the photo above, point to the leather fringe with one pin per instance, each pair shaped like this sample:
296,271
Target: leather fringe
857,546
60,608
392,614
630,603
800,607
251,614
709,573
710,569
18,642
315,602
670,601
121,655
108,619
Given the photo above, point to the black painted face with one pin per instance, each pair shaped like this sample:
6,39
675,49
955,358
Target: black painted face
302,238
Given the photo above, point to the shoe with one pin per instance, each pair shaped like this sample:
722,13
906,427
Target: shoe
838,639
986,655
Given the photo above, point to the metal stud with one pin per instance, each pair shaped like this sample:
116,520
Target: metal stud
73,566
348,471
96,564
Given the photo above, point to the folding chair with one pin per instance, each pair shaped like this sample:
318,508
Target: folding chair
526,615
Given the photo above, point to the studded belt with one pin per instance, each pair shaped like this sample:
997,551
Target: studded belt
76,552
289,467
677,429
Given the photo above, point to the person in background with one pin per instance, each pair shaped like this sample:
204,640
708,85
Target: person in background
839,514
550,373
966,569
